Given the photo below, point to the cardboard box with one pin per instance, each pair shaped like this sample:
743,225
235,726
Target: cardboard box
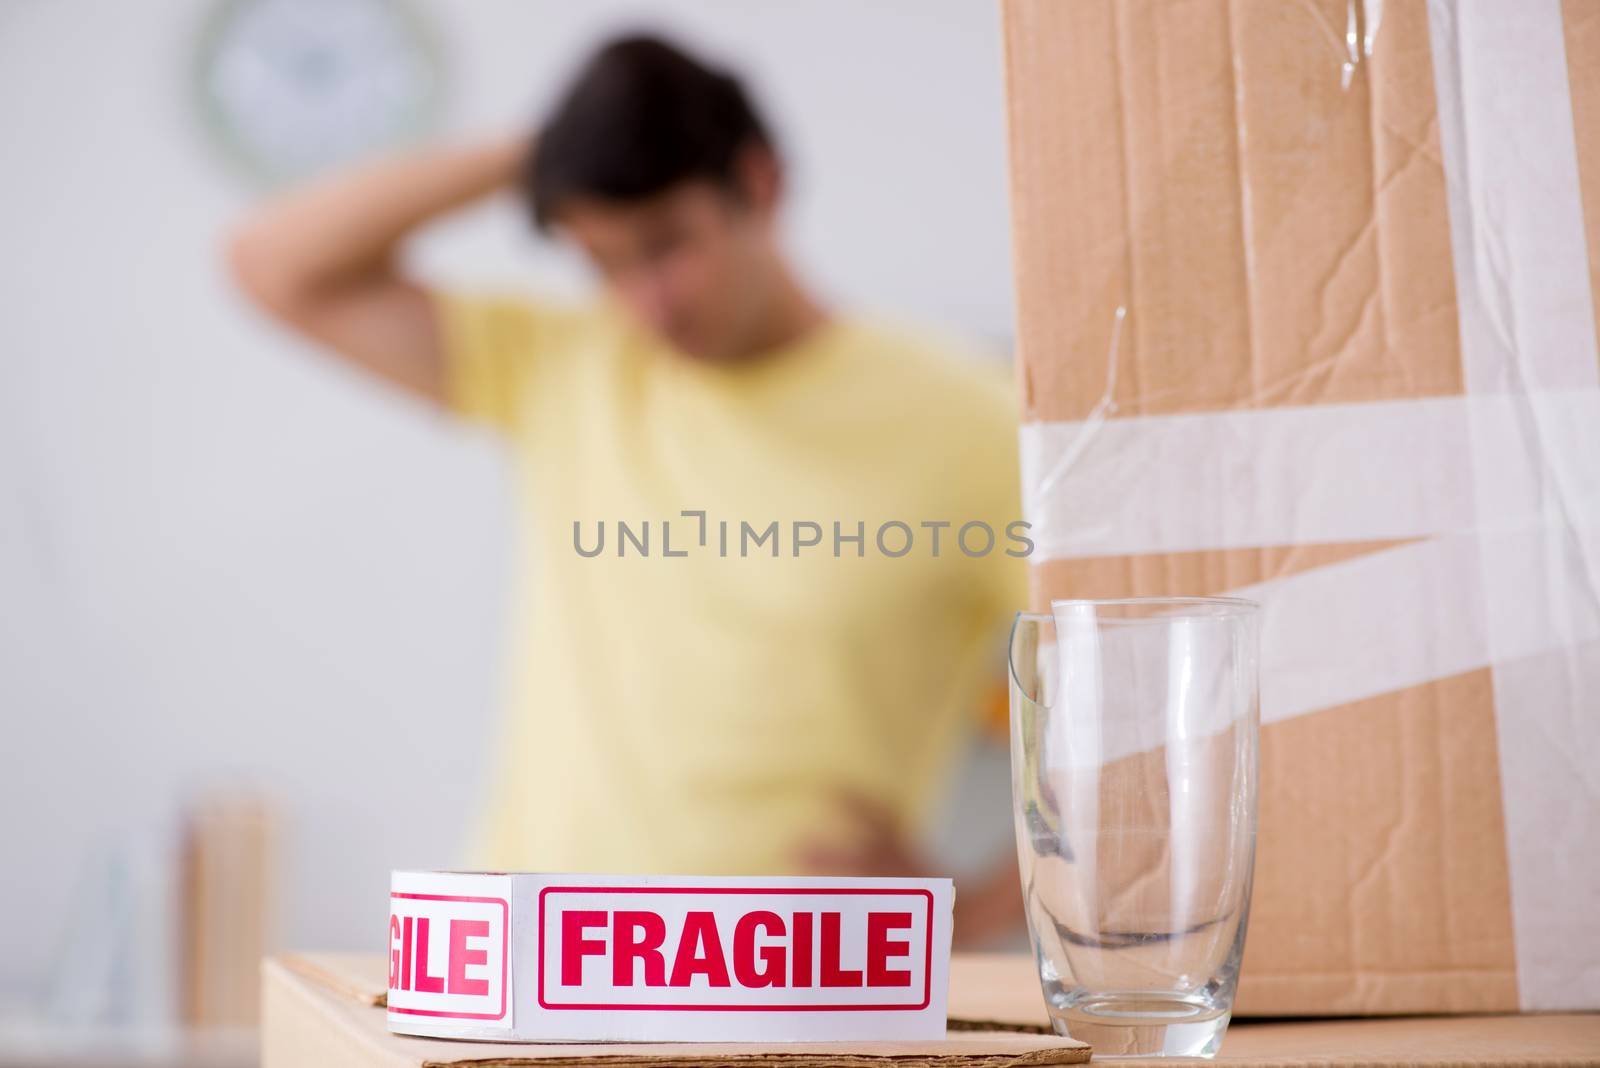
327,1009
1355,376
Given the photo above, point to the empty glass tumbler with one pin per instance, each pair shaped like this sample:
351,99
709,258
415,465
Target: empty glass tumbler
1134,729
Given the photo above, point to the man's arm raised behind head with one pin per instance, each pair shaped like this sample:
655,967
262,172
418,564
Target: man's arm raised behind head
324,258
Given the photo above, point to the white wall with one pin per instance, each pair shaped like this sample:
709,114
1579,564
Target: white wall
224,560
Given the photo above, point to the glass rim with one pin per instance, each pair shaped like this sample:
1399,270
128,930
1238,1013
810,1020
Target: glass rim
1146,609
1214,608
1232,602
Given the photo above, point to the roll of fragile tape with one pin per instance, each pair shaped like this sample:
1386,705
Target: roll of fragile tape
539,958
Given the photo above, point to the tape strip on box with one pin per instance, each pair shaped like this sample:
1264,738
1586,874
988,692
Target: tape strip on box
1527,318
542,958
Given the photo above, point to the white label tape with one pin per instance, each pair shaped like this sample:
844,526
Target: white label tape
541,958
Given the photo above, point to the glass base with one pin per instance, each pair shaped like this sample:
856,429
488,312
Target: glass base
1142,1025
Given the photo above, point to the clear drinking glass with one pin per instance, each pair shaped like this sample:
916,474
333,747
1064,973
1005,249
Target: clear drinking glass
1134,730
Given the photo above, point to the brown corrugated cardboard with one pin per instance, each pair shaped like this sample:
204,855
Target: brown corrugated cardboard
1582,24
1295,219
325,1009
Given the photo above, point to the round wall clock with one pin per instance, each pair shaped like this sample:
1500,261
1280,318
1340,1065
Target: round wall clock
292,87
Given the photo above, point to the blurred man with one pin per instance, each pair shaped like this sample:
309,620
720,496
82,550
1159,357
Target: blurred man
753,616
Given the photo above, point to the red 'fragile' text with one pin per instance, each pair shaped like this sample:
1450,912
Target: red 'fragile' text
409,960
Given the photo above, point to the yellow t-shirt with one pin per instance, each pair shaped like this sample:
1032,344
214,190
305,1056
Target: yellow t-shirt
700,712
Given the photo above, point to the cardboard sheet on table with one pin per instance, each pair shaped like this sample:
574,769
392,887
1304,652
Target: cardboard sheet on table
323,1009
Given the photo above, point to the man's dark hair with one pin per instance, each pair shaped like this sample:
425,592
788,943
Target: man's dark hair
640,117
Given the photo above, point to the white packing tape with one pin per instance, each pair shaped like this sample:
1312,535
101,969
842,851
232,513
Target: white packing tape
1306,475
1419,471
542,958
1527,327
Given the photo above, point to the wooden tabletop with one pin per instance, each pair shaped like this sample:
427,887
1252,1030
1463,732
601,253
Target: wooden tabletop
1005,989
1002,990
